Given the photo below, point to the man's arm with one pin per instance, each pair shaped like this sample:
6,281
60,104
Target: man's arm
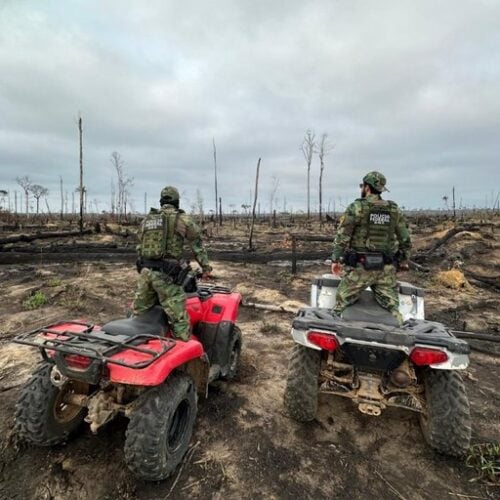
193,236
348,222
404,240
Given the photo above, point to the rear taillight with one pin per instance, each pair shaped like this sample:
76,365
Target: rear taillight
424,356
326,341
77,361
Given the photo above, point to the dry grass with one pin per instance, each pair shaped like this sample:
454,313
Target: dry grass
453,279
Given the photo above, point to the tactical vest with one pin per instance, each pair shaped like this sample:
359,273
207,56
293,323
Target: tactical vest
160,238
376,231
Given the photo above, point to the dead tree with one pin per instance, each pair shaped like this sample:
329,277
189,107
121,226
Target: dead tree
25,183
324,149
254,205
80,134
308,149
272,194
215,177
113,198
123,183
199,206
38,191
62,195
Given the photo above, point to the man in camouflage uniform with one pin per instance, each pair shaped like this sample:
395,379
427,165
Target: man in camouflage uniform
372,240
161,241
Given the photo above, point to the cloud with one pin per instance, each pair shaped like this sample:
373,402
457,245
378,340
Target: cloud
407,88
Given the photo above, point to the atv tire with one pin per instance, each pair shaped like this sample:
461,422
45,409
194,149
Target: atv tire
42,416
234,358
447,425
301,392
160,428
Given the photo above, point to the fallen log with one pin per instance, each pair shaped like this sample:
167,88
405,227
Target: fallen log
87,252
450,234
417,267
269,307
42,236
486,337
489,282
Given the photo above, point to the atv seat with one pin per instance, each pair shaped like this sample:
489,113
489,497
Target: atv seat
152,322
368,310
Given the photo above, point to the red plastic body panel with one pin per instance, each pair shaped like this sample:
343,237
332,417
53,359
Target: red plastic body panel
157,372
195,310
220,307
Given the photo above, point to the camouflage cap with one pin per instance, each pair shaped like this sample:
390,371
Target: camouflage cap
376,180
170,193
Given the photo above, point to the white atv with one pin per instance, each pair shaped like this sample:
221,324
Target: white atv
367,357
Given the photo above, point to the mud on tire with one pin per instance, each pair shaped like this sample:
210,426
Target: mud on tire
301,393
160,428
42,417
234,359
447,425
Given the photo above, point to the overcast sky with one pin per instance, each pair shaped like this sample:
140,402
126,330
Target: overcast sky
409,88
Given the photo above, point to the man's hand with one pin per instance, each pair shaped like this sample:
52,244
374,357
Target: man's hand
403,266
337,268
207,276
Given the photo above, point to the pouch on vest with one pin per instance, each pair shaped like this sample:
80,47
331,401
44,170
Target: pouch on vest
372,261
153,236
380,231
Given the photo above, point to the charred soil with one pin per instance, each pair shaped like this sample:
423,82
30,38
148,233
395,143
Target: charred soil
243,445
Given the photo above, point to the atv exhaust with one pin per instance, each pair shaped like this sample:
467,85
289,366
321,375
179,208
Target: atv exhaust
57,378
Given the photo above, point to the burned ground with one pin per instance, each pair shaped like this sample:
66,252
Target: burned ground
243,445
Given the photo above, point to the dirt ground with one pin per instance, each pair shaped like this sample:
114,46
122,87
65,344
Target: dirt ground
244,447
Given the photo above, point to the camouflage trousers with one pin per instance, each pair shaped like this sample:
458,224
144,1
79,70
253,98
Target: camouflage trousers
156,287
382,282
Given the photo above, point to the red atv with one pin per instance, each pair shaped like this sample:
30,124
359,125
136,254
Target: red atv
131,366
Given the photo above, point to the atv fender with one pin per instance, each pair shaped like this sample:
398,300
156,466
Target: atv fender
157,372
199,369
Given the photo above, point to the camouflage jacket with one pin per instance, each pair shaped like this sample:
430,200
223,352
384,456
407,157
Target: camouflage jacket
370,214
184,230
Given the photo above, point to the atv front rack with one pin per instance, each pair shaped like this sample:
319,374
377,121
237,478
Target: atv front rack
98,346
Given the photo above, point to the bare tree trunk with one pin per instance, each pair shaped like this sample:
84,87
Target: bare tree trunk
454,209
215,177
254,205
220,211
80,131
62,196
322,167
308,148
324,148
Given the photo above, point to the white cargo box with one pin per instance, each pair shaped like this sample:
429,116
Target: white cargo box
411,298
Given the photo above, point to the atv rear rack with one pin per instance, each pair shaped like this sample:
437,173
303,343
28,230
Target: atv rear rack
97,345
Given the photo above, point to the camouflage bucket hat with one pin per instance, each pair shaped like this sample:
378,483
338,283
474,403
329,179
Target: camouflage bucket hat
375,180
170,193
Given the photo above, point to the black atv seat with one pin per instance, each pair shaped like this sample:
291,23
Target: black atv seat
368,310
152,322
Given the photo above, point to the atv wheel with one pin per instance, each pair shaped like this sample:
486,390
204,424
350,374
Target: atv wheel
446,426
301,393
234,359
42,415
160,428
